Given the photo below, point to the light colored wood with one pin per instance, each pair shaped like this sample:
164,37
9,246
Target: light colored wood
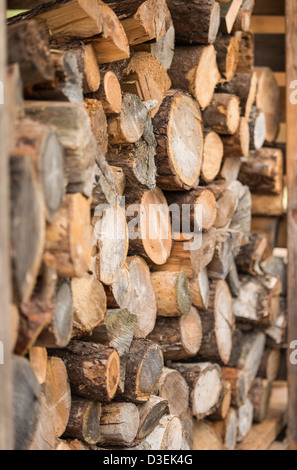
205,437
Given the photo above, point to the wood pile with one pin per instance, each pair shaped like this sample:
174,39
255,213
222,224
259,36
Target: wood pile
144,332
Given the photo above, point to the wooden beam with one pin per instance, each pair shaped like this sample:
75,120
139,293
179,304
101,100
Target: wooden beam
6,428
291,47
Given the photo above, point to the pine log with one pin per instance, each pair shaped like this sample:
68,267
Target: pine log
223,410
195,21
119,424
174,140
238,145
150,415
195,69
213,153
168,435
259,396
146,78
153,239
120,292
174,388
226,249
143,301
268,100
270,364
179,337
239,388
172,293
92,18
109,92
251,254
246,51
250,359
227,48
93,370
38,361
257,125
200,377
57,394
98,123
217,324
199,289
243,85
26,403
227,429
143,370
262,171
74,130
192,211
84,421
233,281
44,437
223,114
28,47
245,416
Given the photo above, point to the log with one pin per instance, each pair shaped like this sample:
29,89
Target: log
213,153
62,445
205,437
172,293
14,101
168,435
238,145
259,396
236,347
111,232
26,403
262,171
250,256
230,169
92,18
38,361
239,388
250,359
74,131
27,218
119,424
227,430
195,21
245,420
143,370
271,205
242,219
120,179
98,123
87,66
246,57
68,242
84,421
227,48
200,377
268,100
146,77
217,324
198,205
95,366
223,114
188,430
174,173
257,125
174,389
109,92
194,69
223,410
226,249
105,190
57,393
75,444
243,85
143,301
233,281
270,364
226,206
199,289
229,12
153,240
28,47
119,293
44,438
277,332
150,415
179,337
89,305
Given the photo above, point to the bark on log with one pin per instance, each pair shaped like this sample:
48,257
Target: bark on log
226,249
243,85
227,48
172,293
259,396
119,424
174,388
150,415
257,125
237,339
238,145
246,54
223,114
250,256
262,171
168,435
213,153
239,388
227,430
84,421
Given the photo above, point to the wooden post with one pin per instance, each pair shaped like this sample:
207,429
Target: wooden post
291,46
6,431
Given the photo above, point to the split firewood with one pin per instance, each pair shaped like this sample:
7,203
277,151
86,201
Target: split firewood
243,19
188,430
105,190
26,403
98,123
226,206
246,51
213,153
87,65
238,145
103,362
245,416
276,265
224,408
179,337
195,69
28,47
195,21
270,364
262,171
198,206
199,289
73,127
243,85
239,388
174,388
84,421
250,359
178,129
92,18
277,333
168,435
38,361
143,370
268,100
217,324
223,114
120,292
251,254
242,219
257,125
237,340
230,169
205,437
57,394
229,13
143,300
150,415
227,429
226,249
120,179
119,424
233,281
172,293
45,436
109,92
200,377
260,395
227,48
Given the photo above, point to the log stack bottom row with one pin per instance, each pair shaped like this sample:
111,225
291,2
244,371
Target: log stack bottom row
136,326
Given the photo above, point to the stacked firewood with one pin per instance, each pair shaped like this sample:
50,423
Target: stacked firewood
129,334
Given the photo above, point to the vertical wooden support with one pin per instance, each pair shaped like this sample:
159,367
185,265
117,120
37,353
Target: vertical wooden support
6,415
291,48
